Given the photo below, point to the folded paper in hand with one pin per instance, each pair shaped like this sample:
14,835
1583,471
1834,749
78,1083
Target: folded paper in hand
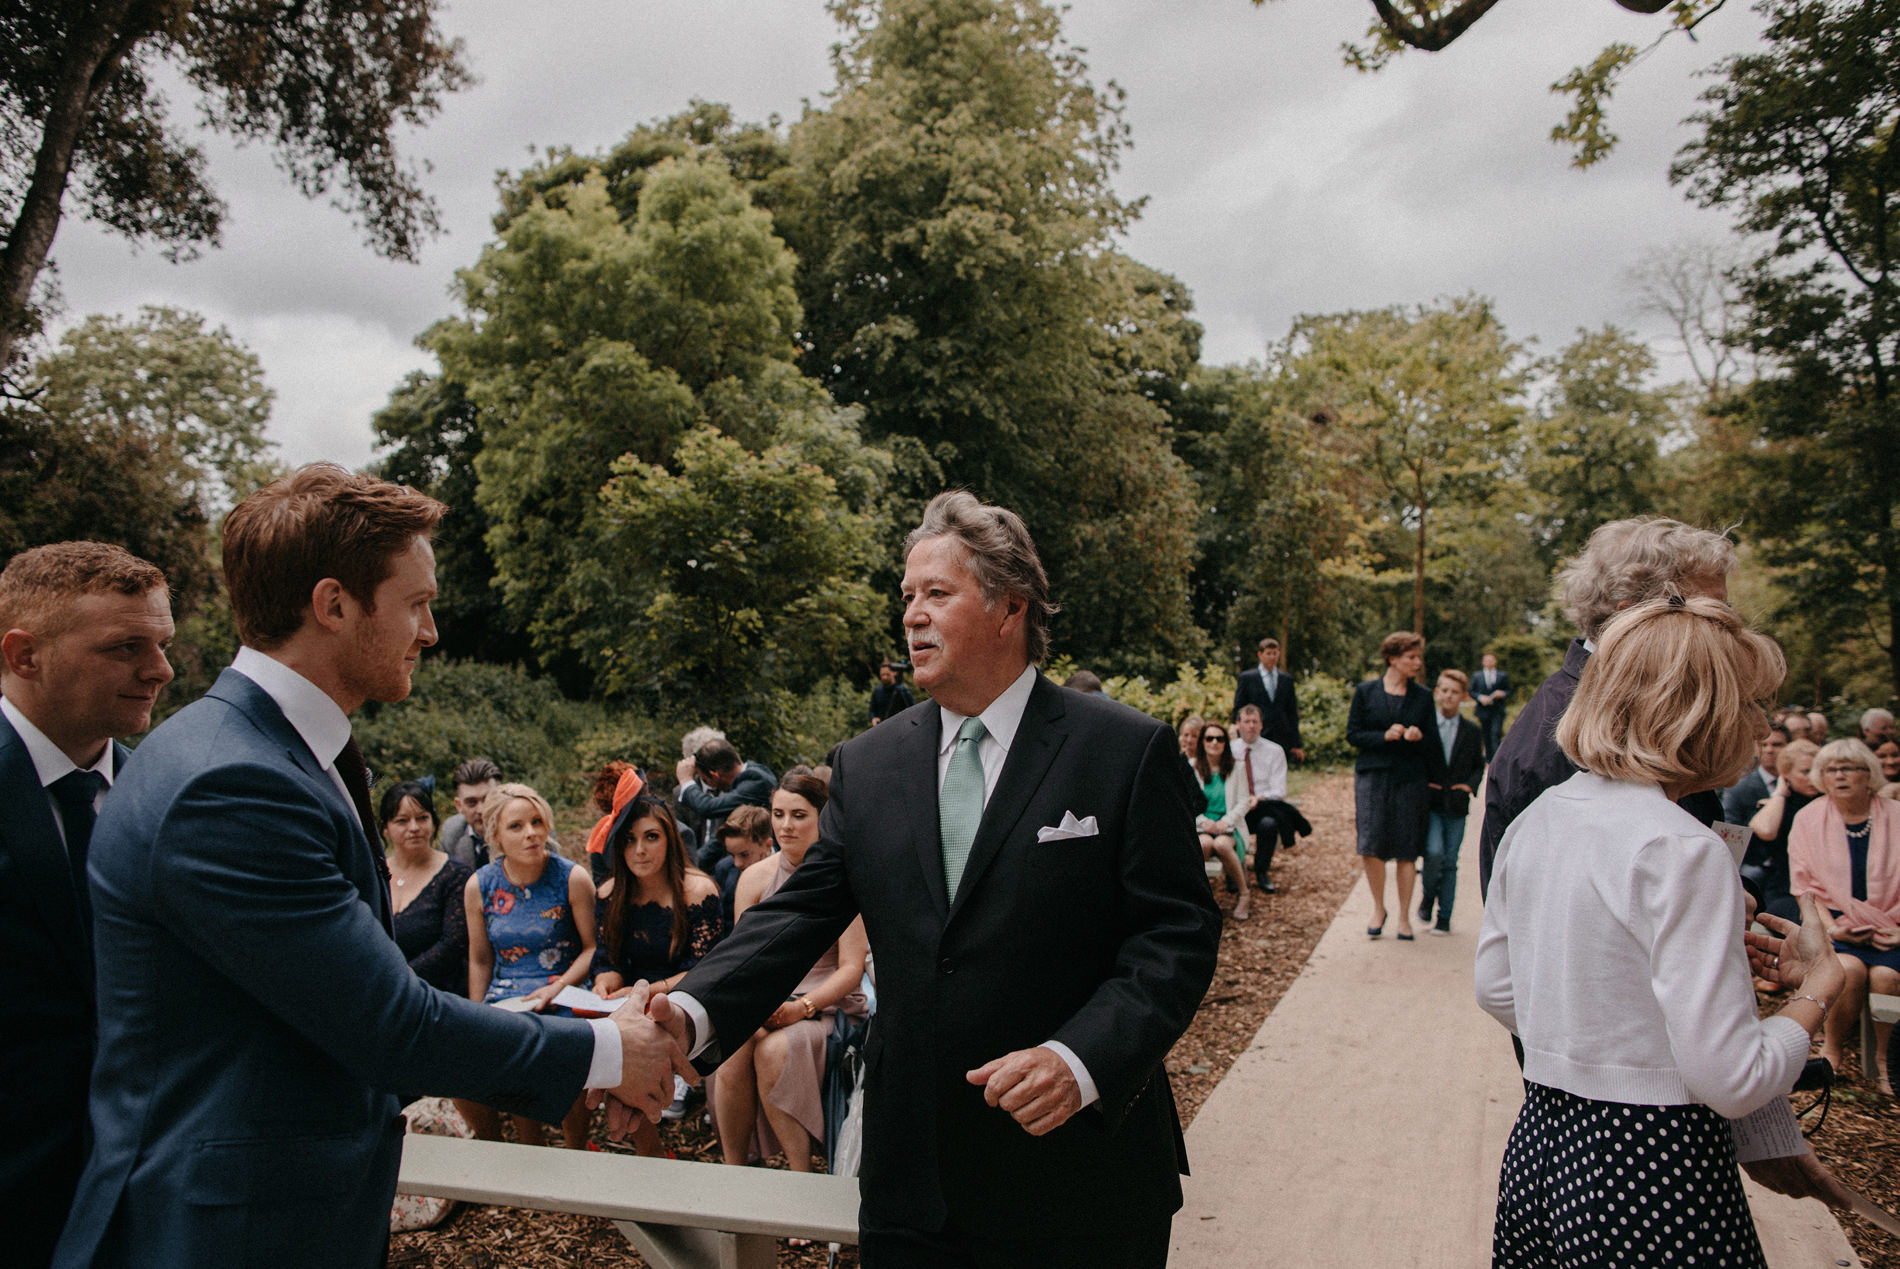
1069,827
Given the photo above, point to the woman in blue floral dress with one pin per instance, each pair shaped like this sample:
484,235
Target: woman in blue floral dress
661,916
530,933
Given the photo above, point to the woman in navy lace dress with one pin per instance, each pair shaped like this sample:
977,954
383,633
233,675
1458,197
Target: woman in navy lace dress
662,916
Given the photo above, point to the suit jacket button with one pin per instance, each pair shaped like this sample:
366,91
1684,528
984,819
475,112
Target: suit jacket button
946,966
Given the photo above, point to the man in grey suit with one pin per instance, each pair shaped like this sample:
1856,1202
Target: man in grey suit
83,632
474,779
1025,862
258,1026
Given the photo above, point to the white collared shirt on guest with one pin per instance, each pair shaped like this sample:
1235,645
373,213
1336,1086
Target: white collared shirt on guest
315,716
50,763
1269,767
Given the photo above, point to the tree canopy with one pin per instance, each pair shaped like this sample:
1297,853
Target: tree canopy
325,82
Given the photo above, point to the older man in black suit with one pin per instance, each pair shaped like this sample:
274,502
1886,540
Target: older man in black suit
1271,690
1491,694
83,629
1025,862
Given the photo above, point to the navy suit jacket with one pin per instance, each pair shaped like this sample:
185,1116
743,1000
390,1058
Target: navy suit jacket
1478,689
46,1011
1466,766
1105,942
1279,710
258,1027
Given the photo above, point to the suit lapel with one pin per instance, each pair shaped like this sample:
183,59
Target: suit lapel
1038,739
262,709
38,851
918,762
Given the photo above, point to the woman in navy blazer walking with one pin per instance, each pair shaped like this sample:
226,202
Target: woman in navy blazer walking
1387,724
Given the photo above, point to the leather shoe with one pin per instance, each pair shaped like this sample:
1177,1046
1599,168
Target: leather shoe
1267,887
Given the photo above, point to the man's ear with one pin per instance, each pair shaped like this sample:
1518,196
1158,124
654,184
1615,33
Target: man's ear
21,652
1015,614
331,604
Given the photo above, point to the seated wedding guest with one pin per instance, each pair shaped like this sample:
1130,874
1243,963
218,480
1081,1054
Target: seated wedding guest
474,779
747,838
1222,825
425,889
530,933
1610,949
1797,723
1844,850
615,785
1741,801
663,916
1876,728
1768,844
1888,755
1191,736
766,1097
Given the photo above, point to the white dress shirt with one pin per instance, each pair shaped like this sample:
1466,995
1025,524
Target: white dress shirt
1002,718
1269,767
50,762
325,728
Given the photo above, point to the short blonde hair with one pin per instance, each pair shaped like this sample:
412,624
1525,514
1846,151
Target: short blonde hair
1633,561
1792,753
1850,750
1457,676
1670,693
501,795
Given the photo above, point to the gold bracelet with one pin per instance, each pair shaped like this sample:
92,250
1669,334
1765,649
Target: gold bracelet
1817,1004
811,1010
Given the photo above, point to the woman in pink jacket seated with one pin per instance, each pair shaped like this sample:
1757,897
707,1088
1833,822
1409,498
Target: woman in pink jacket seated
1844,850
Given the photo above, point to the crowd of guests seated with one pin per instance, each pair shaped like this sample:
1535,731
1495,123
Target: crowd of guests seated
486,906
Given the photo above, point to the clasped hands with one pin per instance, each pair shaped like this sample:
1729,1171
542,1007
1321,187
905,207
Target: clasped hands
653,1047
1399,731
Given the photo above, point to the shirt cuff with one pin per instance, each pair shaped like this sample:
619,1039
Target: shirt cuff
1090,1094
604,1070
696,1014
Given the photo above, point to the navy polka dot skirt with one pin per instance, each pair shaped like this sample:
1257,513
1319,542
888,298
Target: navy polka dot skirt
1590,1183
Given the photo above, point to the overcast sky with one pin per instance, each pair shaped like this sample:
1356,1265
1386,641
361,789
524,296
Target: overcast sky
1279,182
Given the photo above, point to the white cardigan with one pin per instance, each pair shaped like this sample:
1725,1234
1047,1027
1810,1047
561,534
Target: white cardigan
1612,947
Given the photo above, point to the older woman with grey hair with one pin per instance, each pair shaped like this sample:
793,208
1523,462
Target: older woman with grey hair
1844,850
1625,562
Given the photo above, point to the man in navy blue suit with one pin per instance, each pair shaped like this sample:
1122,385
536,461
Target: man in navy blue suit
1270,689
1491,690
83,632
258,1026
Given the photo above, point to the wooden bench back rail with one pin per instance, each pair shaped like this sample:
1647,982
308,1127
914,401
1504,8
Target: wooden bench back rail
1878,1008
658,1203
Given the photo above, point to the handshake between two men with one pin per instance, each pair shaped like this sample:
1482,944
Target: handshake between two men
1035,1087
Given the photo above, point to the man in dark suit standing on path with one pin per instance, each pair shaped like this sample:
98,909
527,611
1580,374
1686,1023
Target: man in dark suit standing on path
1491,692
83,629
1270,689
1025,862
256,1019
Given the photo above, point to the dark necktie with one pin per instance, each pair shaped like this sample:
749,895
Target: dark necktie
76,791
355,773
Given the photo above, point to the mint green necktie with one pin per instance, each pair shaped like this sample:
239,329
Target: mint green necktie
960,805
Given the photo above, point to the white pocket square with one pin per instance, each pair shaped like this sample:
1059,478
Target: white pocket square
1069,827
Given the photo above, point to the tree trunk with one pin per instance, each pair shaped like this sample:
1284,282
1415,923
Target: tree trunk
1418,560
91,56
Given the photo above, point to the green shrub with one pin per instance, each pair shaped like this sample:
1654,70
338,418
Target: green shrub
1324,704
1208,692
466,709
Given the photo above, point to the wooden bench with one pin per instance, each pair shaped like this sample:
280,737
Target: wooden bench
677,1215
1877,1009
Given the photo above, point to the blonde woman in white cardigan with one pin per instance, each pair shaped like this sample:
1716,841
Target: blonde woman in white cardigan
1612,948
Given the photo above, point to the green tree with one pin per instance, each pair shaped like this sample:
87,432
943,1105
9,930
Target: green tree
1798,140
1592,453
953,216
588,338
433,432
198,396
1428,399
732,580
326,82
